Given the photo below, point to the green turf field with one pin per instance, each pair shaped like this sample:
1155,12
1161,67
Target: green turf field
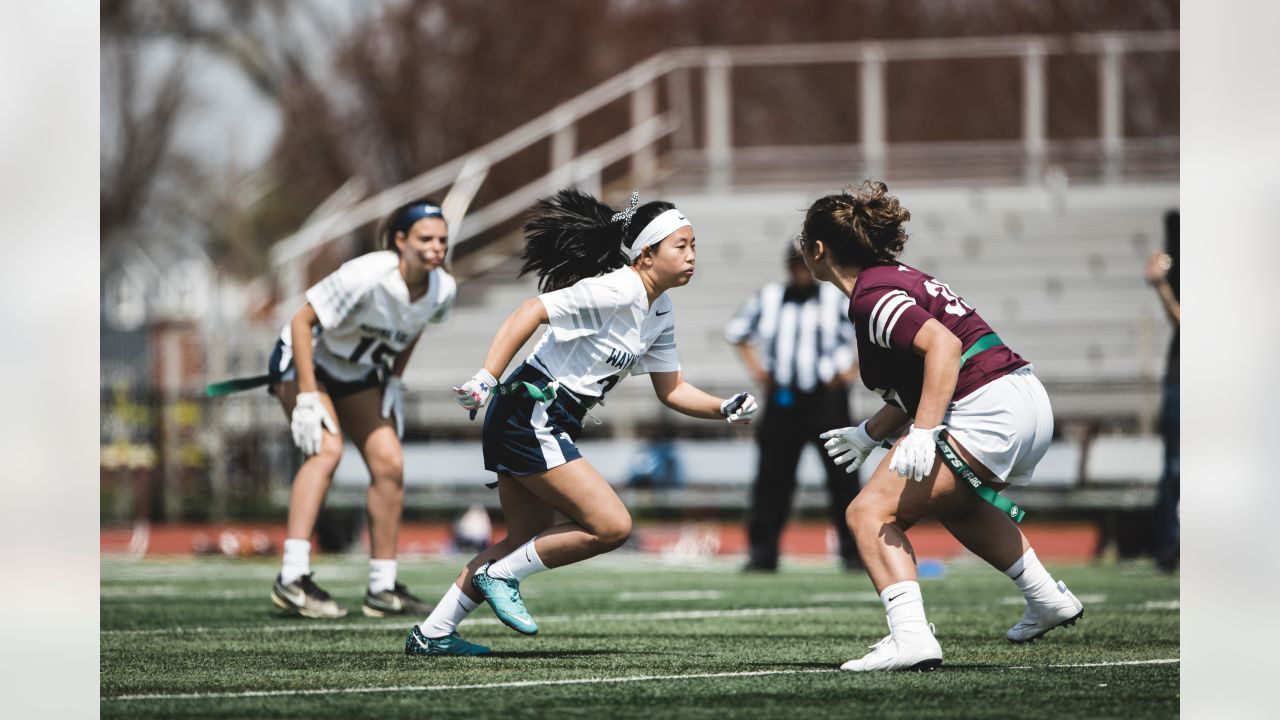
628,636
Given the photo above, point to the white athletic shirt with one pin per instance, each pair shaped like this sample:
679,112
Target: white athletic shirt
602,329
366,318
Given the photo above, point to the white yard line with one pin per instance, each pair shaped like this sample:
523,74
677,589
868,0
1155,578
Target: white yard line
404,624
854,597
119,592
1117,663
545,683
670,595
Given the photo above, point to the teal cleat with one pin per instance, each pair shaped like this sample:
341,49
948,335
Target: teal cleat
451,644
503,595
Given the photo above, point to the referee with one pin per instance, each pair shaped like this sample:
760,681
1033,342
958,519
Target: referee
798,345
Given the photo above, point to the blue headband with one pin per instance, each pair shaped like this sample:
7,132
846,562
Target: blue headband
412,214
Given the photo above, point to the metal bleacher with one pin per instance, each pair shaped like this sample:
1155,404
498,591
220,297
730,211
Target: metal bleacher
1063,287
1059,277
1056,268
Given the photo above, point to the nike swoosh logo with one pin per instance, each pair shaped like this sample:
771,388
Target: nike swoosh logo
417,637
299,599
895,597
522,618
663,313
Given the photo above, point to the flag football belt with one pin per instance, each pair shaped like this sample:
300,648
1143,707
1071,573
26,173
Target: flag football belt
984,491
985,342
520,387
226,387
552,390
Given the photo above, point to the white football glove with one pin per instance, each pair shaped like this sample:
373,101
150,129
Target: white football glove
474,393
914,456
739,409
851,444
393,402
310,420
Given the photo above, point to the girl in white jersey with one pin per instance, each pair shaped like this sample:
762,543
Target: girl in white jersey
604,277
336,369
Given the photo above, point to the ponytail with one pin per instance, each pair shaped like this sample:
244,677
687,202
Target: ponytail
862,226
572,236
568,237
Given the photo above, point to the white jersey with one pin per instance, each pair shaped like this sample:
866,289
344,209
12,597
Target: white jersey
603,329
366,318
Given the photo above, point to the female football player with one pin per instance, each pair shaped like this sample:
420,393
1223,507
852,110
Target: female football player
604,278
336,369
978,419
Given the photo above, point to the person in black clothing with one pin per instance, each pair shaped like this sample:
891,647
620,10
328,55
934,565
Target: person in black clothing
1163,274
805,363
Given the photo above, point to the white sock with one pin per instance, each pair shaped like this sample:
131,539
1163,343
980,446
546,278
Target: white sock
905,606
1031,578
382,575
450,611
297,560
520,564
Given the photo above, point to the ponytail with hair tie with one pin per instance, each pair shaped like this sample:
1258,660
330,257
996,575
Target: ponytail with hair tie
571,236
862,226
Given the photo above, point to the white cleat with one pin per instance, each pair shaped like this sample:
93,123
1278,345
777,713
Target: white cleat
1063,610
918,651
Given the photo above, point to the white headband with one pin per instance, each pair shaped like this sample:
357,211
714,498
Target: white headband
657,229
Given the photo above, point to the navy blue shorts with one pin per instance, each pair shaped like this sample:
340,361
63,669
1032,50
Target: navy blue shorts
334,388
523,436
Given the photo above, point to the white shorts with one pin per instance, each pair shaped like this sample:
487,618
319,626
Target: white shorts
1006,424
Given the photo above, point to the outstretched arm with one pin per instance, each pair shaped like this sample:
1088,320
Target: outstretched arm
514,332
679,395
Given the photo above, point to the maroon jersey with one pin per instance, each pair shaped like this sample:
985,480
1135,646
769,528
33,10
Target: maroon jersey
888,306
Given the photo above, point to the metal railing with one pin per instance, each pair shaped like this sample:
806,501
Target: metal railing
874,154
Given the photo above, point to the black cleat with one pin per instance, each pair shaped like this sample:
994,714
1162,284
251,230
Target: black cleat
305,598
396,601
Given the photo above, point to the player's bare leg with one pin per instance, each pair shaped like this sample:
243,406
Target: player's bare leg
294,589
376,439
879,517
993,536
598,522
526,516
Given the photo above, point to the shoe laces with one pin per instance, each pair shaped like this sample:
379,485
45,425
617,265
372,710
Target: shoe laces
889,638
513,587
400,590
310,588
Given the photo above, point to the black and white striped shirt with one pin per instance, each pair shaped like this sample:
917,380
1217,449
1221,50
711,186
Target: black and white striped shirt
803,335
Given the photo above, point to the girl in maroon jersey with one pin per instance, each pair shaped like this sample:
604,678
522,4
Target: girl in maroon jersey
975,416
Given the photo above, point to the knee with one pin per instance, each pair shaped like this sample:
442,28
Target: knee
387,468
611,534
330,453
866,515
